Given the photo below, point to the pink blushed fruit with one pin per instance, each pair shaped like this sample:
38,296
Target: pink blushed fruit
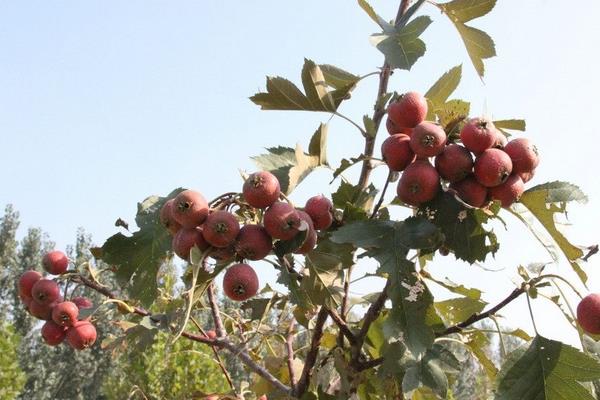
26,282
185,239
523,154
81,335
65,313
253,242
52,333
396,152
419,183
55,262
508,192
470,191
455,163
261,189
220,229
478,135
492,167
320,210
588,314
167,219
408,111
190,208
281,221
45,291
240,282
427,140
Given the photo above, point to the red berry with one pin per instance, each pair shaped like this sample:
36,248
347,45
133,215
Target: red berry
53,334
391,127
240,282
81,335
221,228
527,176
427,139
508,192
310,241
419,183
185,239
396,152
41,311
224,254
261,189
523,153
166,217
492,167
409,111
478,135
26,282
83,303
281,221
55,262
65,313
455,163
253,242
190,209
320,210
45,291
470,191
501,140
588,314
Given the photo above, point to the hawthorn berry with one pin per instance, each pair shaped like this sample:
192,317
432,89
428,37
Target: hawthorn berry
310,241
509,191
55,262
470,191
588,314
65,313
240,282
523,154
45,291
527,176
261,189
478,135
167,219
408,111
501,140
455,163
190,208
41,311
221,228
281,221
223,254
396,152
419,183
185,239
253,242
81,335
83,303
492,167
53,334
320,210
427,139
26,282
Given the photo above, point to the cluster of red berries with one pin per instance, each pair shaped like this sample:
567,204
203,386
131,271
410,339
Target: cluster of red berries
484,167
42,298
227,236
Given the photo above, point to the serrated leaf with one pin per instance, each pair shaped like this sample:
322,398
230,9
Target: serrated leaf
511,124
282,94
548,370
386,26
344,165
476,343
543,202
452,111
336,77
291,166
474,294
138,257
443,88
403,47
323,285
463,227
479,44
454,311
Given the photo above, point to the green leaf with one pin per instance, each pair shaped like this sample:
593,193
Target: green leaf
452,112
542,202
344,165
479,44
403,47
291,166
389,242
476,343
138,257
336,77
474,294
323,283
386,26
462,227
441,90
282,94
511,124
548,370
283,247
454,311
354,200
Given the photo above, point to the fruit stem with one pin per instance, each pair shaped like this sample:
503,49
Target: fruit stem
385,186
531,315
362,131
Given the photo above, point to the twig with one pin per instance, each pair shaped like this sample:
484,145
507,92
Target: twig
362,131
289,344
591,251
214,309
313,352
373,313
344,329
385,187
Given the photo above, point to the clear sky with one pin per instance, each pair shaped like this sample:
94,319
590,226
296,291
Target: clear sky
103,103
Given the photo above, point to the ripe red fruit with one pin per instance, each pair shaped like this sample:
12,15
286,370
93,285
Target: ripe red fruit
53,334
492,167
455,163
409,111
223,254
391,127
523,153
419,183
310,241
190,209
478,135
166,217
41,311
508,192
320,210
185,239
45,291
588,314
427,139
55,262
81,335
470,191
396,152
501,140
527,176
65,313
253,242
281,221
240,282
221,228
261,189
83,303
26,282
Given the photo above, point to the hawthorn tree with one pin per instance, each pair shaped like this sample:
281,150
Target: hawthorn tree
303,343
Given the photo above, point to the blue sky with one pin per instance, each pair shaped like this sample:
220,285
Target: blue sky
106,102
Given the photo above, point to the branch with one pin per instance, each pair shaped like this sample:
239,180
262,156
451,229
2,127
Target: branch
313,352
373,313
214,309
344,329
591,251
289,344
